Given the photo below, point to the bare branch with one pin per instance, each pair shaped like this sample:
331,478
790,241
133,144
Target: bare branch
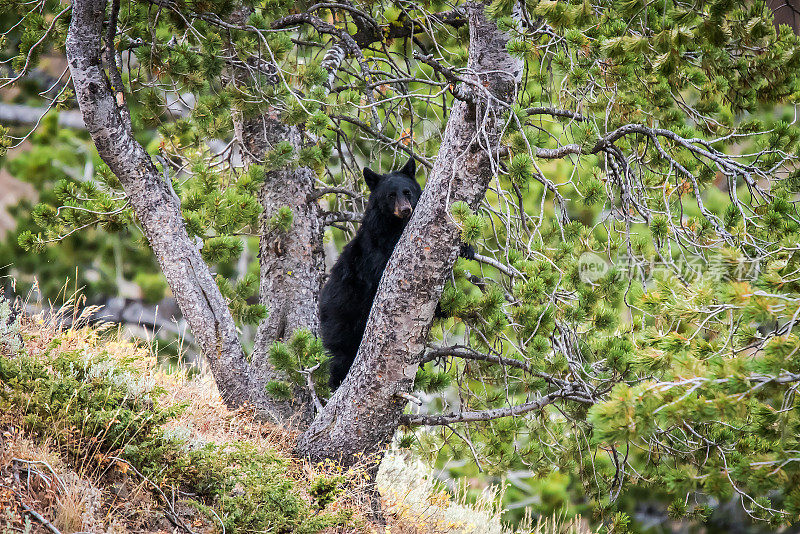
332,217
410,398
555,112
458,85
40,518
387,140
468,353
497,413
328,190
506,270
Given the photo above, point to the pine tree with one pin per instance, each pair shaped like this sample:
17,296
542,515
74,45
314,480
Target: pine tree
626,170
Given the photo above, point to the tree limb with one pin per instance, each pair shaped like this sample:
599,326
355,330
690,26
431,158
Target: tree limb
555,112
458,84
320,192
332,217
468,353
497,413
506,270
38,517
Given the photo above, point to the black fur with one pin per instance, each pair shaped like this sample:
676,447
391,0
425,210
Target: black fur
347,297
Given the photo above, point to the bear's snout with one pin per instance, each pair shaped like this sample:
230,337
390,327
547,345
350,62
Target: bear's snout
403,209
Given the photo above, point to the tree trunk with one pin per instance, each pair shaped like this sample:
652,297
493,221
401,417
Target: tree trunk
293,262
365,411
158,210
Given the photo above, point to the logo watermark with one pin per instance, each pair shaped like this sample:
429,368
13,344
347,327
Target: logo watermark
592,267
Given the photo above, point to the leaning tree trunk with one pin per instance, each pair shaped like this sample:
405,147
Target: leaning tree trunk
158,210
365,411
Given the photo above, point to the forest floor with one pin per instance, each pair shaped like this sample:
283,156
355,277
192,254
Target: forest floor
96,436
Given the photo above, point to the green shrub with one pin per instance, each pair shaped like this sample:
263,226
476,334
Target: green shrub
96,407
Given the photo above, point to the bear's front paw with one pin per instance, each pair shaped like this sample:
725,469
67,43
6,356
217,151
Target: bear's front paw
466,251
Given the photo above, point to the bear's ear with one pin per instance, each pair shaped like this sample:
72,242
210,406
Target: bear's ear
372,178
410,168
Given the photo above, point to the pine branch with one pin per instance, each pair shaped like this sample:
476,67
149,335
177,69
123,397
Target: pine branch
389,141
567,393
350,44
31,51
468,353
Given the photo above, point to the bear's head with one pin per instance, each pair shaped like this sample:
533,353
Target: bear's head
396,193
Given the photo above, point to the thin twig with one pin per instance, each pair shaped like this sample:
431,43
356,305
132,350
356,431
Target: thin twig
175,519
497,413
409,397
38,517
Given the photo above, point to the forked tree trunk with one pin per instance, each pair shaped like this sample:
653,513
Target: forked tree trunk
158,210
365,411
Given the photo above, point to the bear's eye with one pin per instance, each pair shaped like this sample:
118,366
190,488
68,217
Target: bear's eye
392,195
407,193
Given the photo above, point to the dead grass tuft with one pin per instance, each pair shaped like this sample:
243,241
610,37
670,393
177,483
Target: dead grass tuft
208,420
36,478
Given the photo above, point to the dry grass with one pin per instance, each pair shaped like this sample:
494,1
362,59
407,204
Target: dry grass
208,420
35,477
86,497
416,504
557,524
109,497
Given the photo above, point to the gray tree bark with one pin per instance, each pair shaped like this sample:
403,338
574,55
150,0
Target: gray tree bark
292,263
365,411
158,210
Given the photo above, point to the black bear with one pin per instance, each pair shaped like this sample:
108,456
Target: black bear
346,298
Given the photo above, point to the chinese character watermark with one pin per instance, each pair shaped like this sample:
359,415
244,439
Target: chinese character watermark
592,267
